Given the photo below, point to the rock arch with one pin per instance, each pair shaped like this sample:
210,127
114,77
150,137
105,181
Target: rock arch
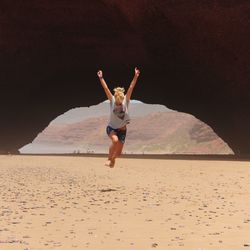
194,58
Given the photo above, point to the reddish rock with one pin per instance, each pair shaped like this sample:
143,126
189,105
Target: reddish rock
194,57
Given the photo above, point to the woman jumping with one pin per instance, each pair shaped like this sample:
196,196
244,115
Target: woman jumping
119,116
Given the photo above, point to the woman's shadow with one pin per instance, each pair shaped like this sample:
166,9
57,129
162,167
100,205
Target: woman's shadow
108,190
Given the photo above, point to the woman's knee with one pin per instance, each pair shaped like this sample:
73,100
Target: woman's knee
114,139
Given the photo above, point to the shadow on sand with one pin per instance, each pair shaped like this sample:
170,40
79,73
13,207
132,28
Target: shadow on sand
108,190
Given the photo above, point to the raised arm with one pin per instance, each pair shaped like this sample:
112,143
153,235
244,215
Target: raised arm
132,84
104,85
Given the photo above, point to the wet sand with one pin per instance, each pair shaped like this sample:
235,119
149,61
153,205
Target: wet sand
52,202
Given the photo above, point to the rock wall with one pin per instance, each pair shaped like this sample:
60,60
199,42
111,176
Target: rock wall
193,55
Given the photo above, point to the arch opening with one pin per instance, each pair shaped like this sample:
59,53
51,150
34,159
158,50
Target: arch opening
154,129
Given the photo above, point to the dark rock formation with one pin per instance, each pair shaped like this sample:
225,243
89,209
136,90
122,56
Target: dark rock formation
194,57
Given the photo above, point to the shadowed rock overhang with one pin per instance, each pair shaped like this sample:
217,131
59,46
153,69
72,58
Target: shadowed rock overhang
193,55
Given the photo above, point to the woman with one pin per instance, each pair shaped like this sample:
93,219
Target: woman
119,116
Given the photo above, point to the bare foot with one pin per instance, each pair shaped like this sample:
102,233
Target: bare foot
107,163
110,163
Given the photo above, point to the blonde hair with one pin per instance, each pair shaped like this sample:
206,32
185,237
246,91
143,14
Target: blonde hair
119,93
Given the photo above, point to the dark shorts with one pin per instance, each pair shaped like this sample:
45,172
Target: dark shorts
121,133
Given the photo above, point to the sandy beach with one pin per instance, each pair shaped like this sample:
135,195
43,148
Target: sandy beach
52,202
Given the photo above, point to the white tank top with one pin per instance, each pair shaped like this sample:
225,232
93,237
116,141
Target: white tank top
119,115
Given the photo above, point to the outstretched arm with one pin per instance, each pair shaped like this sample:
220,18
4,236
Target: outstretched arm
132,84
104,85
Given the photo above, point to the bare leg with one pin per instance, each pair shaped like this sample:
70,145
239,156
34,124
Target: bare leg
117,150
112,149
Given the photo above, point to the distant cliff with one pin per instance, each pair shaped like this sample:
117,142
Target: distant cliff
153,129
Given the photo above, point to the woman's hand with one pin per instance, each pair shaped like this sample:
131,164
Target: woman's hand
99,73
137,71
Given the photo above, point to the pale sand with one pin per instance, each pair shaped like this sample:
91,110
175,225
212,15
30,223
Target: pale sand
51,202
